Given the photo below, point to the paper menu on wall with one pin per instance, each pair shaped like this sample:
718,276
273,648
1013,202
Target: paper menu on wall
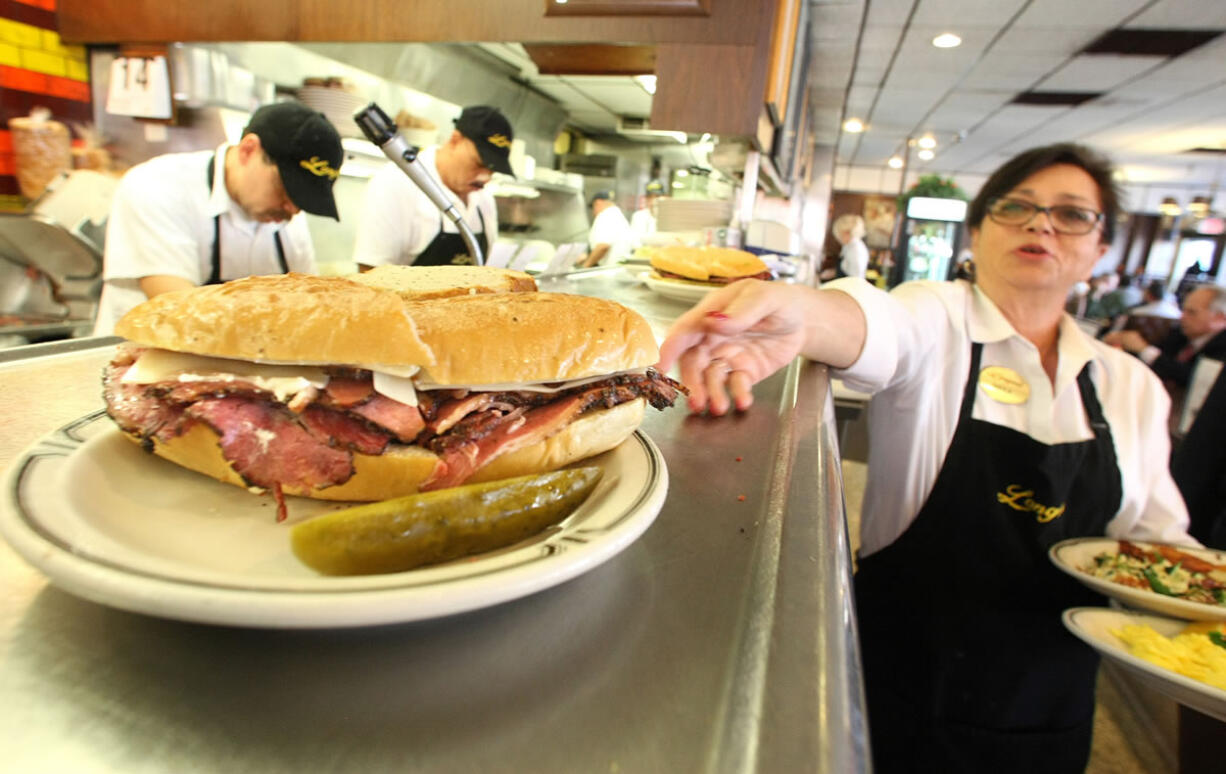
139,86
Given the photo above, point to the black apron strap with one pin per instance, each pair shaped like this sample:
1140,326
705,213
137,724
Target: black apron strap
215,253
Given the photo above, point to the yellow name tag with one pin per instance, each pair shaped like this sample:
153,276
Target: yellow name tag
1004,385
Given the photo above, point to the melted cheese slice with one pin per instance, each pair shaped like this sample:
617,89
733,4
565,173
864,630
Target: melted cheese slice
286,380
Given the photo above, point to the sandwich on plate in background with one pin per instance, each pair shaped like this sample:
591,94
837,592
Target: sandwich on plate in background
705,265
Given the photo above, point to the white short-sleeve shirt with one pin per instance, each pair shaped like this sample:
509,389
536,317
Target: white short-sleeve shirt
399,221
916,362
161,222
611,227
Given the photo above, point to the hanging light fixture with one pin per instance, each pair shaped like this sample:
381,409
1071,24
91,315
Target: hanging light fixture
1170,206
1199,206
895,162
925,155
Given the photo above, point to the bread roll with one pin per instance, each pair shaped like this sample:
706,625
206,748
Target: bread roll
290,318
419,283
487,338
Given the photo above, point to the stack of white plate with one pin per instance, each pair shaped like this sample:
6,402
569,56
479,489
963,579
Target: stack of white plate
691,214
337,104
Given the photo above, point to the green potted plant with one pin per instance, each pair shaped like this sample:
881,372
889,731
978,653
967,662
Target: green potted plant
934,186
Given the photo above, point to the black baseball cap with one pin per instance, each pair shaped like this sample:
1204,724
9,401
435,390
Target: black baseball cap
306,149
491,132
606,195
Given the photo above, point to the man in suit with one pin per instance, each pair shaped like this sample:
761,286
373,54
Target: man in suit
1201,333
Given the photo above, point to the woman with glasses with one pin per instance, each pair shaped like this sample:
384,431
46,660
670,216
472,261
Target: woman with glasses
997,428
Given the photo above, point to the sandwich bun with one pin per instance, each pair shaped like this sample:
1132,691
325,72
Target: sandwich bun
421,283
402,469
486,338
530,337
703,263
289,318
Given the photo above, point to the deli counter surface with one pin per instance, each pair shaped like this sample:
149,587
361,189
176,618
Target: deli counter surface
721,640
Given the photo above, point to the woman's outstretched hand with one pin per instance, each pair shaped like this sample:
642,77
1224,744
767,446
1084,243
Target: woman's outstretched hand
735,337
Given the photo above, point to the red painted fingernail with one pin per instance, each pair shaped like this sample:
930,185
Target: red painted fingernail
718,315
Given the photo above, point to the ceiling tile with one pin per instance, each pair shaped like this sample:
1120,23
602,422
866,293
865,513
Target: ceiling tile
1096,14
999,71
1181,14
955,14
1097,72
1045,42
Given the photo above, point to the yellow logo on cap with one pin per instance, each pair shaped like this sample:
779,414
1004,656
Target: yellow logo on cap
319,167
499,140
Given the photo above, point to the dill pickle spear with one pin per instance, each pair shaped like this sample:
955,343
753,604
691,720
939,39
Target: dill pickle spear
433,527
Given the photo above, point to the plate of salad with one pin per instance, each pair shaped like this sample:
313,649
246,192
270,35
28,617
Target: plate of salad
1179,581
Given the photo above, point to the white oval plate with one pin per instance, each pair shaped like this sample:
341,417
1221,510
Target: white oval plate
1073,554
678,290
106,521
1094,626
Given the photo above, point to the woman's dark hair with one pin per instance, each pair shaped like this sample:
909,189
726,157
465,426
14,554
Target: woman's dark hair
1025,164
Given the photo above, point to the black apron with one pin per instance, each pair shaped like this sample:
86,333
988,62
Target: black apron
967,666
450,249
215,274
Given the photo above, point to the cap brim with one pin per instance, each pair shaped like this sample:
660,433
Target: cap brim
494,160
308,193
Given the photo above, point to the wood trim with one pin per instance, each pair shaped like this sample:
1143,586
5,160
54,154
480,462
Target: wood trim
592,59
716,89
783,48
422,21
628,8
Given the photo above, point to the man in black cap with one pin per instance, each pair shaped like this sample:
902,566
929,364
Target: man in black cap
186,219
400,225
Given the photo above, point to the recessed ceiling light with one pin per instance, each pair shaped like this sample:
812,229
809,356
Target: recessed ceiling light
895,162
927,142
947,40
853,125
925,155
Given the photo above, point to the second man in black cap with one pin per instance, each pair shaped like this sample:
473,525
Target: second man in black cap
400,225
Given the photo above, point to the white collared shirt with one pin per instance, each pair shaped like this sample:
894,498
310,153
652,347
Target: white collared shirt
916,362
399,221
161,222
611,228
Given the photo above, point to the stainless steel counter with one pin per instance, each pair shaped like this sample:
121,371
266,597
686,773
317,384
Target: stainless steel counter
722,640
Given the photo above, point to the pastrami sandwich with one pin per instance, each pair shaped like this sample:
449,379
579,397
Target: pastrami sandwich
332,389
706,265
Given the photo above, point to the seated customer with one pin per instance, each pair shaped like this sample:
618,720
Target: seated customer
1202,331
1155,318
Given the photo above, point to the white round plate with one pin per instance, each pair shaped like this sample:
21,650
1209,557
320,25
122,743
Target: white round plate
678,290
1073,554
1095,624
106,521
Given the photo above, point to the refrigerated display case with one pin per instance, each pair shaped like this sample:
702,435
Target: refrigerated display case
931,239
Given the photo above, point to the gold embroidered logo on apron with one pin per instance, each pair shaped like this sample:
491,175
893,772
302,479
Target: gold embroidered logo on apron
1004,385
498,141
319,167
1020,499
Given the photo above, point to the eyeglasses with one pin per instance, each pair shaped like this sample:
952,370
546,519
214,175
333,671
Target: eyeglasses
1065,218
